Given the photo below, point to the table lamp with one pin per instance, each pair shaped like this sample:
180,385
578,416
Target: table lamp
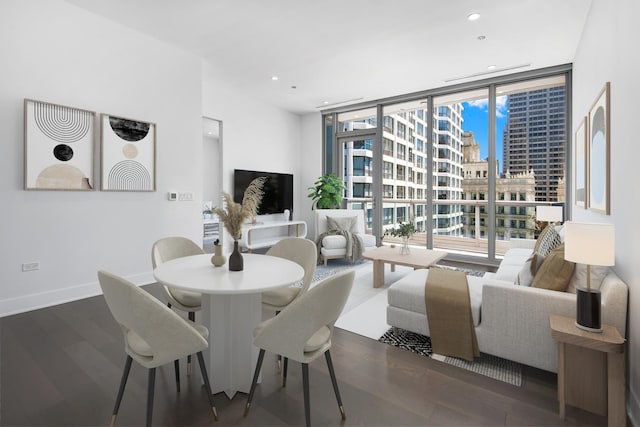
550,214
590,244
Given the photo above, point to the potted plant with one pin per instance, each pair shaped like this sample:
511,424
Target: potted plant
327,192
404,230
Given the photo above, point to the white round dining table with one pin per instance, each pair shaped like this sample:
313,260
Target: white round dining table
231,308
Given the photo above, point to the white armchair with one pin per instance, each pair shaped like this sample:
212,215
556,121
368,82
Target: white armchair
335,246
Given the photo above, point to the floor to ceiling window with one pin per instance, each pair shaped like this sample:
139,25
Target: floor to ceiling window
467,165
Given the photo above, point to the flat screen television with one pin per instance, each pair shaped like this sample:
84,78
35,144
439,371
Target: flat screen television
278,190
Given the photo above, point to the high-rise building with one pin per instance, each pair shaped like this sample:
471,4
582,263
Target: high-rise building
534,139
405,160
511,221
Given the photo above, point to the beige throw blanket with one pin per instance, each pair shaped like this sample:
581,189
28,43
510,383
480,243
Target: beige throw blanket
449,314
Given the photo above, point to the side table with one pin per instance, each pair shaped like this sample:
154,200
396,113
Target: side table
591,369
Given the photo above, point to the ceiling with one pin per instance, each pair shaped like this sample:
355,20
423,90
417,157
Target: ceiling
337,52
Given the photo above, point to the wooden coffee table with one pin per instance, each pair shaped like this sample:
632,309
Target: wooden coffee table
417,258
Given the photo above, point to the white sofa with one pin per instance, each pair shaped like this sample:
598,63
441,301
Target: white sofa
332,247
511,321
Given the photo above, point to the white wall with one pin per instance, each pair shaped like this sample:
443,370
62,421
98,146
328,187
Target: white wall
608,52
55,52
255,134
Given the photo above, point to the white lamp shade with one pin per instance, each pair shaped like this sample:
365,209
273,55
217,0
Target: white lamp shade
588,243
549,213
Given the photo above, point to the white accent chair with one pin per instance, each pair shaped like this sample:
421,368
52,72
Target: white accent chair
165,250
334,247
153,335
303,331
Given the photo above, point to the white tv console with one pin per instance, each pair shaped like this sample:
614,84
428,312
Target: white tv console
264,234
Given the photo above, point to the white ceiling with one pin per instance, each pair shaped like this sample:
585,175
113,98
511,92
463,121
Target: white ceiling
339,50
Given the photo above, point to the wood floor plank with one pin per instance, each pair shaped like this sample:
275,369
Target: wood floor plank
61,366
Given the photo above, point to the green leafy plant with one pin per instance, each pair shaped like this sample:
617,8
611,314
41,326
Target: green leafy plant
327,192
403,229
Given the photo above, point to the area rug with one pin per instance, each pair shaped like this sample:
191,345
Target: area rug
333,267
487,365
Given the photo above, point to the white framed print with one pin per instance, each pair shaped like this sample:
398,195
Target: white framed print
128,154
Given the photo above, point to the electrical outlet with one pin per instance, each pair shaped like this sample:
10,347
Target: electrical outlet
186,196
30,266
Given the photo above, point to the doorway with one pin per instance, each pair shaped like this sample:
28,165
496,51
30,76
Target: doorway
212,181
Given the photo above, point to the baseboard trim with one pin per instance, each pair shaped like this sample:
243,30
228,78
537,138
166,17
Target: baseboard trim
22,304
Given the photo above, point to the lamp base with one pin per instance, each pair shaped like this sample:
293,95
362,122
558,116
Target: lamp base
588,310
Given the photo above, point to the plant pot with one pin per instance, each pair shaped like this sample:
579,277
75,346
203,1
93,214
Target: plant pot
236,263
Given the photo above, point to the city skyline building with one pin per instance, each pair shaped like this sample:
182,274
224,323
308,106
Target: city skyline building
534,138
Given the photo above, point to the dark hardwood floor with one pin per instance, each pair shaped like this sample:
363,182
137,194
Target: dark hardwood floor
61,366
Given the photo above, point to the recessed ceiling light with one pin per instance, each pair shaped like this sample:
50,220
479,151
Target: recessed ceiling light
491,67
325,102
473,16
274,78
210,133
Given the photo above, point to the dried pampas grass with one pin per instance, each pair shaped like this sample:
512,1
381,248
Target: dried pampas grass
235,214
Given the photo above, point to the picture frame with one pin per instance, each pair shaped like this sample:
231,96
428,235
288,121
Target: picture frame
128,161
59,147
581,179
598,154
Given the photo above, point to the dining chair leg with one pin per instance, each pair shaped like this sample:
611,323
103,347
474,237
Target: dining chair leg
284,371
192,317
207,384
305,386
332,373
279,356
256,374
123,383
150,389
176,366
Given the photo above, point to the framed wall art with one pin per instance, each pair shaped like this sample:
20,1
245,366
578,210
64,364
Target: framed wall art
128,154
59,147
580,178
599,153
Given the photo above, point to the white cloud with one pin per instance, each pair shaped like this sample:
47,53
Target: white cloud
483,104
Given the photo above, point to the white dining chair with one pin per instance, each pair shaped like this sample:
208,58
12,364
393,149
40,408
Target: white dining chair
304,253
302,332
164,250
153,335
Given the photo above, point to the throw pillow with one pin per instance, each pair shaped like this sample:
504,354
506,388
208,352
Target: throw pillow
343,223
555,272
529,270
579,278
547,240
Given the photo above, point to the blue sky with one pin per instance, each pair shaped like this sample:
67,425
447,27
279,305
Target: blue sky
476,117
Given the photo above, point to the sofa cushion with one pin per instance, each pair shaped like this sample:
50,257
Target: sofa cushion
579,278
343,223
547,241
408,293
555,272
512,263
337,241
529,270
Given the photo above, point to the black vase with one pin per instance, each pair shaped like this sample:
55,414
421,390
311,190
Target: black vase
588,313
236,263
